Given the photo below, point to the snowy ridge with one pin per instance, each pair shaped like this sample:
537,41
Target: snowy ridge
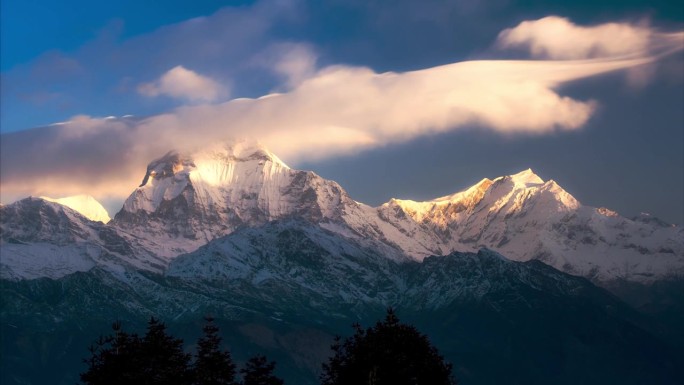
188,200
524,217
39,238
293,254
520,216
300,263
86,205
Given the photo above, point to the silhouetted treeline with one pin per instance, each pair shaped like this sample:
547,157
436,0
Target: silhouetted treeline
389,353
158,359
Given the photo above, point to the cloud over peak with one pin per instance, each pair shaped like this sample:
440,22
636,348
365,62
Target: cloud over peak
330,111
182,83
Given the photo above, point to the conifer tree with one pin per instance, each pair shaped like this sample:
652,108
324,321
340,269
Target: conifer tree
212,366
114,359
390,353
165,361
258,371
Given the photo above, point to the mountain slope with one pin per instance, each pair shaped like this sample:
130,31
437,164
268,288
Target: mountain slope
297,262
39,238
287,287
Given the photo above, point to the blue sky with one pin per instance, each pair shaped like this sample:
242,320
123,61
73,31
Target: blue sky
611,138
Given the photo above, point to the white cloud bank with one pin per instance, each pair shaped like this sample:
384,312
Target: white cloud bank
182,83
333,111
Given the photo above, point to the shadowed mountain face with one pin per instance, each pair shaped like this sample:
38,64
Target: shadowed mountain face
288,287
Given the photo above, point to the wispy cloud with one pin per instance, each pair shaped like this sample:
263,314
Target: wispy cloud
332,111
182,83
294,62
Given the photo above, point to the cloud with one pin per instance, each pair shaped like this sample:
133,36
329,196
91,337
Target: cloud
556,37
182,83
90,78
339,110
332,111
294,62
342,109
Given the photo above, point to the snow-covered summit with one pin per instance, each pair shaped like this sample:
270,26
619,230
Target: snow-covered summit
524,217
86,205
232,164
189,199
526,178
507,193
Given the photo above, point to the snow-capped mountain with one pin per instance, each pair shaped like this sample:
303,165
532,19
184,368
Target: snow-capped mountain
86,205
39,238
289,259
184,201
187,200
524,217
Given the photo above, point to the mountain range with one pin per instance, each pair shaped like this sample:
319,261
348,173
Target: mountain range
513,269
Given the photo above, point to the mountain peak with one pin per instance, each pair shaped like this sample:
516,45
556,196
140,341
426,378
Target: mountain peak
239,165
526,178
210,159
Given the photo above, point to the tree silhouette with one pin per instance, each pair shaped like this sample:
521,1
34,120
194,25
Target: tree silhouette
124,358
114,359
158,359
165,361
212,366
390,353
258,371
